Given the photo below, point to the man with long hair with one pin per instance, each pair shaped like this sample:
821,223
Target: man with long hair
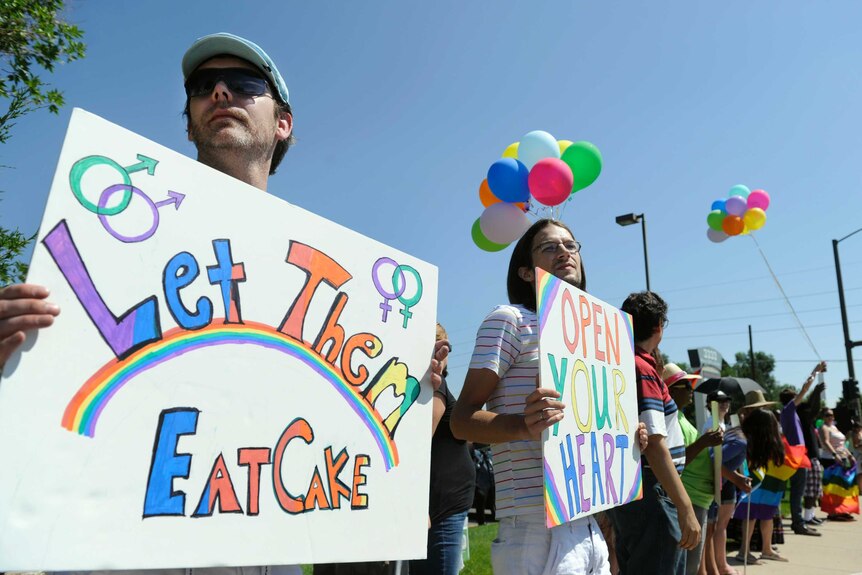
502,404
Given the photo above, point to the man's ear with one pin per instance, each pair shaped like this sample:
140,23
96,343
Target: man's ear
284,126
526,274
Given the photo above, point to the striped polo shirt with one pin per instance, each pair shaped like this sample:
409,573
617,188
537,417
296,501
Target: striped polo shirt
656,408
508,344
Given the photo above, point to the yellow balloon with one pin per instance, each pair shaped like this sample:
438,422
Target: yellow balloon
563,145
754,218
512,151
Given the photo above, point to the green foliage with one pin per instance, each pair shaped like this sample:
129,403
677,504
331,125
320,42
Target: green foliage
764,366
32,39
12,245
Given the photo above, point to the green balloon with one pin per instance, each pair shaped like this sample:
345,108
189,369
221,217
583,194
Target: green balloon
714,219
484,243
585,160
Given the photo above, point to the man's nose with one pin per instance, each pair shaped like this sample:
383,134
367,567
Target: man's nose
221,92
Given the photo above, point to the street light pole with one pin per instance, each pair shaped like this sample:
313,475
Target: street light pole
848,345
850,389
646,256
629,219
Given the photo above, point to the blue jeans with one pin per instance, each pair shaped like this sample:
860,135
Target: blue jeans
647,533
444,548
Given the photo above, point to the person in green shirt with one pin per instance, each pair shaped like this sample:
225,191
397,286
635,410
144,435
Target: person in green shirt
697,477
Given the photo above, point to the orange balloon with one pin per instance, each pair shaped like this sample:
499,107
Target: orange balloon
487,197
733,225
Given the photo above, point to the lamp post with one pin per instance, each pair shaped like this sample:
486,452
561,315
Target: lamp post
629,219
850,388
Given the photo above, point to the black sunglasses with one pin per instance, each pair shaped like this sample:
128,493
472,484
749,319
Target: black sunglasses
238,80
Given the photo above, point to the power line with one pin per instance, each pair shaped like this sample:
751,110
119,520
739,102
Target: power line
810,360
759,315
757,331
763,300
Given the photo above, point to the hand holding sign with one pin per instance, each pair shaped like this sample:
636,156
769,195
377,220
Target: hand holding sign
438,362
542,410
22,307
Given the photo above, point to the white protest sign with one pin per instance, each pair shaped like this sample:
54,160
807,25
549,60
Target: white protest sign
231,381
586,352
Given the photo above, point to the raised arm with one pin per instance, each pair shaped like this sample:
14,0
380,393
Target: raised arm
816,398
800,397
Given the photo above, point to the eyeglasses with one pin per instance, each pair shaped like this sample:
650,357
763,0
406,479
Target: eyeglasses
238,80
551,248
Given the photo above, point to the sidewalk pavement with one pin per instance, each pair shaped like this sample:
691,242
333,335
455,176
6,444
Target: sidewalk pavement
837,551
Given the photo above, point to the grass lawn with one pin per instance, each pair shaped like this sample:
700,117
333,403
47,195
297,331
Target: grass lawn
480,551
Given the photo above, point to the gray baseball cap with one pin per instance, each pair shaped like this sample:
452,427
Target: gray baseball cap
224,43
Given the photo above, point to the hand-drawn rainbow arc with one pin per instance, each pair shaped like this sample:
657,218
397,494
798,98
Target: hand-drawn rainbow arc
83,411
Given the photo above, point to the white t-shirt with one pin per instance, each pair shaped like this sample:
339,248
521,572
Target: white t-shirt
507,343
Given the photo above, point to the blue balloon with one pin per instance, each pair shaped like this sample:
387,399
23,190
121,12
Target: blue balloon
718,205
507,178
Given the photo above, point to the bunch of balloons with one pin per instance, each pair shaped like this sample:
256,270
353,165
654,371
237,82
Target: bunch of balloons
537,170
742,212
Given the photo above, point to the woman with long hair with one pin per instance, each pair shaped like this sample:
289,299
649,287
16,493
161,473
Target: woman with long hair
765,450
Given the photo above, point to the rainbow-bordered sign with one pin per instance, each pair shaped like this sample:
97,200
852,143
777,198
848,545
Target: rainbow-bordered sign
586,352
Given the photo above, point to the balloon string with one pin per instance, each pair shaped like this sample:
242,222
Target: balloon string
786,299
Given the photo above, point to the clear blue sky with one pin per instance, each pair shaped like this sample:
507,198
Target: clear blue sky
400,107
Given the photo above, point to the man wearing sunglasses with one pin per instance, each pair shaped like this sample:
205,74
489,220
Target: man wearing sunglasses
240,120
237,107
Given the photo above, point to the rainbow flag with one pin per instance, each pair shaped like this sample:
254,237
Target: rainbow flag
840,491
766,496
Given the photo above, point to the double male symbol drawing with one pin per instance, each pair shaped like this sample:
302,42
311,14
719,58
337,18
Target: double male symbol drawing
398,283
101,209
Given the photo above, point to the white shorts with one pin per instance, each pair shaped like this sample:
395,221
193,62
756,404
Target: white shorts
524,546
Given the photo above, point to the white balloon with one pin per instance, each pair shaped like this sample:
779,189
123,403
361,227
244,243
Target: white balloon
503,223
535,146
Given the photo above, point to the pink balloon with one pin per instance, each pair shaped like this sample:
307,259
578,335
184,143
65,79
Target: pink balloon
735,205
551,181
758,199
503,223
